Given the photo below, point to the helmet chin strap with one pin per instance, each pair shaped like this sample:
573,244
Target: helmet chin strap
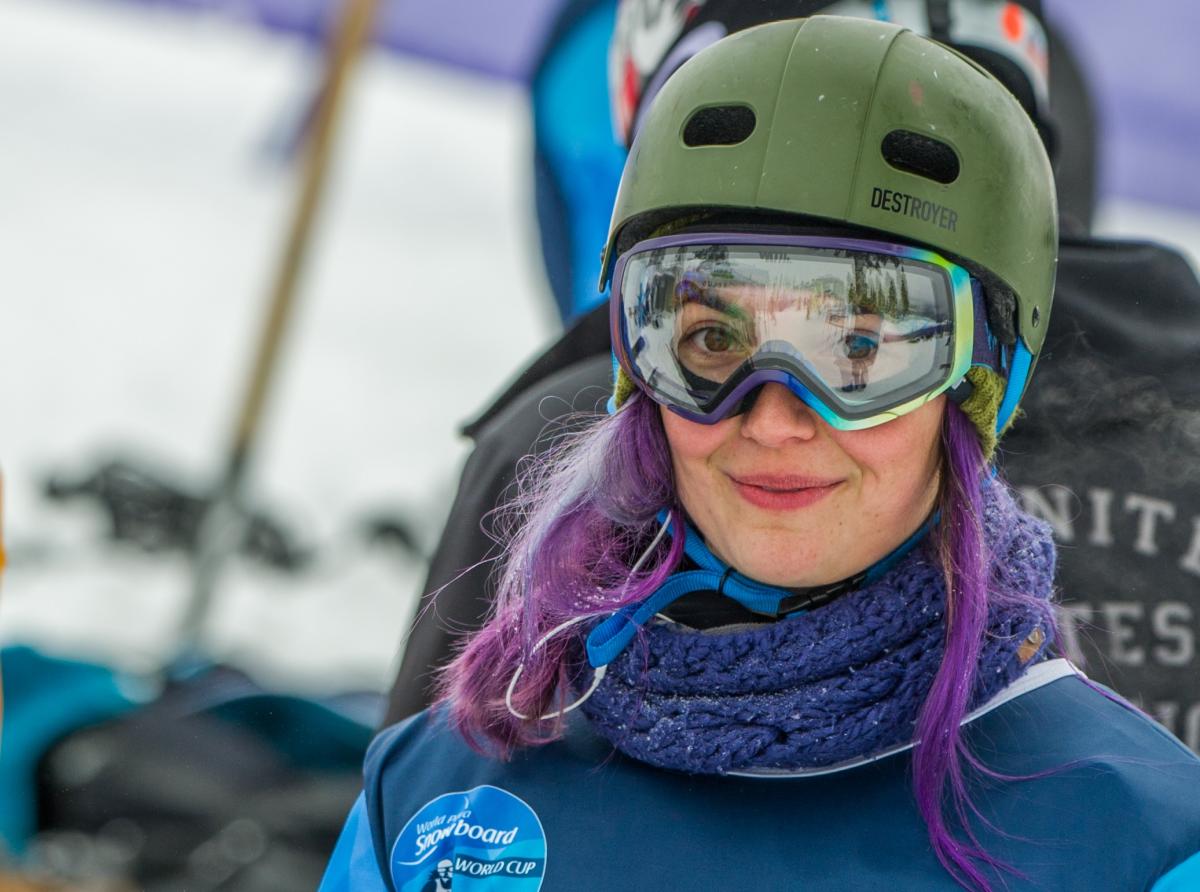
615,633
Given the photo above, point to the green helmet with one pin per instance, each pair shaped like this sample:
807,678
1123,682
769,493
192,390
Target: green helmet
863,124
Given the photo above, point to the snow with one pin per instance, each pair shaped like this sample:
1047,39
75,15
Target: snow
140,218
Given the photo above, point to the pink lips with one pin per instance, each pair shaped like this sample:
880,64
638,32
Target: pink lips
782,492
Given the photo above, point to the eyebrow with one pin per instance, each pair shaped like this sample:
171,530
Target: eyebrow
708,298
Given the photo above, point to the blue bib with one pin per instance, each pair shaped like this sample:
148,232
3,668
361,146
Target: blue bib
1120,811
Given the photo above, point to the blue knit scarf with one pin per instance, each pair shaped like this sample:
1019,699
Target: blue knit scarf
840,683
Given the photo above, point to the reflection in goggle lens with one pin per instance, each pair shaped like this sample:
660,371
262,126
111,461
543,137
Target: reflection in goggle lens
862,328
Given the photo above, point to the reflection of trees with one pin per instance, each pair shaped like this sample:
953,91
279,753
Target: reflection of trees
877,285
716,254
713,263
710,275
859,297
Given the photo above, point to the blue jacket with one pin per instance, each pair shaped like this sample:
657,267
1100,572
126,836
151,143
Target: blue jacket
1119,810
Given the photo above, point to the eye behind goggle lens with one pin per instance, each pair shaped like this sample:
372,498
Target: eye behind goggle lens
863,330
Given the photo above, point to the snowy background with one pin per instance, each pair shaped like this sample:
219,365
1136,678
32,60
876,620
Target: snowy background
141,212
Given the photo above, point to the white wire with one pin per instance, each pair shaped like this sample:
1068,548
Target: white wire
662,531
598,675
512,684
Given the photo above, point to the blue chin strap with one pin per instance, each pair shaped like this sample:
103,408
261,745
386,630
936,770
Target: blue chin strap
613,635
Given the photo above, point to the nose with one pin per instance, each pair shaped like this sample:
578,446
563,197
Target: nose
777,416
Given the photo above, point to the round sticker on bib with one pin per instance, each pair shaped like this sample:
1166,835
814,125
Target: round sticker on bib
482,839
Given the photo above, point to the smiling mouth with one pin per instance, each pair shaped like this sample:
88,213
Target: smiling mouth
783,493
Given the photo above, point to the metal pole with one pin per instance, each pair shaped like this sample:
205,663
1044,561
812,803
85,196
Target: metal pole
222,526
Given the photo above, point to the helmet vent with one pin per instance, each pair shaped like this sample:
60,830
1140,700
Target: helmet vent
923,155
719,125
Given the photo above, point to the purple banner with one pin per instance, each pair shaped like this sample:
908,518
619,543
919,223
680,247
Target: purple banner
1142,66
500,38
1140,62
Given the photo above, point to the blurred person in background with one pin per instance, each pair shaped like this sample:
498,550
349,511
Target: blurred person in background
796,610
1115,475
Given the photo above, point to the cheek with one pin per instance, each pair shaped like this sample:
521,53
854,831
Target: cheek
692,444
900,459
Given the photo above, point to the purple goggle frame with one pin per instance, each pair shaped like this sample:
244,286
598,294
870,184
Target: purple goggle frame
971,343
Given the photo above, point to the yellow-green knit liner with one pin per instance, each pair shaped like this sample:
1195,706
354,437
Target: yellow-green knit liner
623,388
983,406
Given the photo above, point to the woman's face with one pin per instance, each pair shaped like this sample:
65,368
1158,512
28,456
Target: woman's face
786,499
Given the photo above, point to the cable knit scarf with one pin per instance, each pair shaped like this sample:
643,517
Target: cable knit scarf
815,690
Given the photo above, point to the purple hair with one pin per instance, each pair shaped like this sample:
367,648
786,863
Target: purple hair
973,584
578,523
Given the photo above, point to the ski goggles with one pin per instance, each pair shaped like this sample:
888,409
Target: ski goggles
861,331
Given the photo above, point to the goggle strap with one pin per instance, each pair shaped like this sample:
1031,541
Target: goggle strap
986,350
960,392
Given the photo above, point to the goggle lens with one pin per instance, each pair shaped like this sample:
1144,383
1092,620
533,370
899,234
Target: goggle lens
870,329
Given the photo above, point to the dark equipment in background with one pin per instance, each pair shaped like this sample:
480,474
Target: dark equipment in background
155,511
217,784
150,510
